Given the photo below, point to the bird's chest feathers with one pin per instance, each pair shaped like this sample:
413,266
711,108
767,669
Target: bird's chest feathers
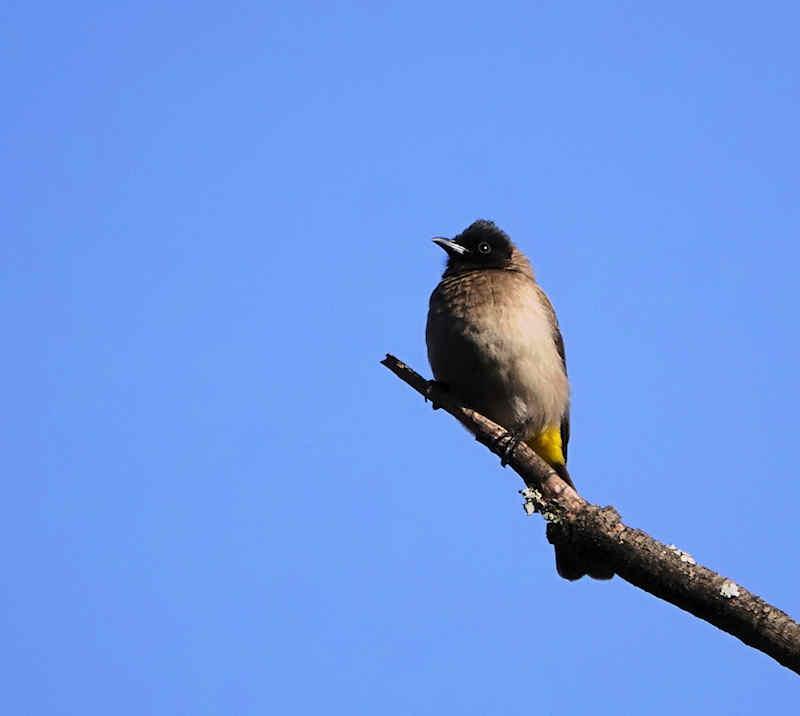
494,332
502,317
509,330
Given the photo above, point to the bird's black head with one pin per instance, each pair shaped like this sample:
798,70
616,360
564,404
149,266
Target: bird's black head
481,245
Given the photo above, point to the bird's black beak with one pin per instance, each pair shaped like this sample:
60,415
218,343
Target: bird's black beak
451,247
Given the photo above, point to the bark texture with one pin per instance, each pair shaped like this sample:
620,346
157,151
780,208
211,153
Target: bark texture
662,570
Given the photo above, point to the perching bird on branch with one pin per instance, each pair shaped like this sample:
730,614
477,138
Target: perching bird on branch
494,342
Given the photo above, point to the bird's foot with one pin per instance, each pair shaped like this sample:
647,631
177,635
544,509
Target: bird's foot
512,438
434,385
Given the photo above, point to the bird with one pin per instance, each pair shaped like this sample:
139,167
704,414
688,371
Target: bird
494,343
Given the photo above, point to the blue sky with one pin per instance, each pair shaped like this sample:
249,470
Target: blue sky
217,221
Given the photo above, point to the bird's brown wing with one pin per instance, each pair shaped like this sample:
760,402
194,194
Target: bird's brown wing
559,341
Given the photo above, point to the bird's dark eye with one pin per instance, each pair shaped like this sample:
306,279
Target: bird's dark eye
484,248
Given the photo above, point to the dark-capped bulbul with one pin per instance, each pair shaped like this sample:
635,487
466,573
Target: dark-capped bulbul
494,342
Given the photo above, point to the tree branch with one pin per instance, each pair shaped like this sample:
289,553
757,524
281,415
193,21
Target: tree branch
662,570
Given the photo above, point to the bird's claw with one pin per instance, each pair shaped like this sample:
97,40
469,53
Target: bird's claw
512,439
434,384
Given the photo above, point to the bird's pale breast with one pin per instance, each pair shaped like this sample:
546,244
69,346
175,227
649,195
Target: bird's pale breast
491,340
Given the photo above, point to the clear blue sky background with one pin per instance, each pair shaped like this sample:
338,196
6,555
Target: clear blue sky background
216,220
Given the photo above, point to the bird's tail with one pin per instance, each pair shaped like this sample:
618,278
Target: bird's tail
573,562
